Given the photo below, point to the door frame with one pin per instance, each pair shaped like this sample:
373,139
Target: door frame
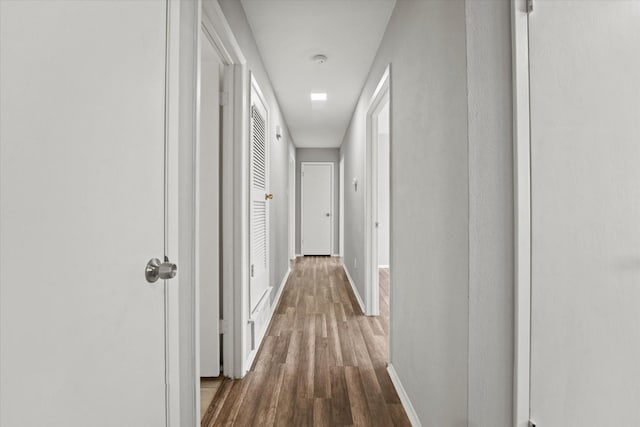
381,95
522,214
183,386
292,205
302,165
341,206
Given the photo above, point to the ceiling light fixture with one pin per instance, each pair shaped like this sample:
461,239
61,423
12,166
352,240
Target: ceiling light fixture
318,96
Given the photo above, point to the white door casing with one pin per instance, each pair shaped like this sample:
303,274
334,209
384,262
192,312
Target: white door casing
82,210
208,209
292,206
317,208
259,201
585,147
341,201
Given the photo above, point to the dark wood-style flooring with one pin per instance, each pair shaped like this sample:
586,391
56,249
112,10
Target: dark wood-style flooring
322,362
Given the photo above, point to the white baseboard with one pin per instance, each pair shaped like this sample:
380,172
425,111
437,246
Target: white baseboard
383,266
276,300
272,308
353,287
298,255
404,398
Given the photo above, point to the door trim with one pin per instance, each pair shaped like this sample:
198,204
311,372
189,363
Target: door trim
292,205
372,291
302,165
183,372
341,207
234,185
522,214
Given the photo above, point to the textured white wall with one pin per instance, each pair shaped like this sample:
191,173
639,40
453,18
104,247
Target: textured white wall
451,207
425,43
491,274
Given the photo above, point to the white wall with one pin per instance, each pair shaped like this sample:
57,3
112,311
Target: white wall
425,43
451,207
279,149
491,261
318,155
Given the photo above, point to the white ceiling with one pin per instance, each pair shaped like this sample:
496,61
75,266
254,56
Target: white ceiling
290,32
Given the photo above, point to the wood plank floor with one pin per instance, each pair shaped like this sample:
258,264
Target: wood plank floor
322,362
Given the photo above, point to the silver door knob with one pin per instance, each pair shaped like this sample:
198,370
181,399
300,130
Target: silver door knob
160,270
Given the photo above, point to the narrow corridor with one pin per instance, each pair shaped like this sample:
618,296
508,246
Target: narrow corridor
322,362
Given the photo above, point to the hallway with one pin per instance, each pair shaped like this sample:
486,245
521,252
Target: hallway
322,362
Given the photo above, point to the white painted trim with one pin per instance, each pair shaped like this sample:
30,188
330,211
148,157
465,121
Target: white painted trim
218,29
522,188
234,206
381,95
383,266
292,204
353,287
175,104
341,207
299,255
332,212
276,299
404,397
251,357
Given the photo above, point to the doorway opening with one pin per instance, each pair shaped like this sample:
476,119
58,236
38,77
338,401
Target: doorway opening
378,201
208,186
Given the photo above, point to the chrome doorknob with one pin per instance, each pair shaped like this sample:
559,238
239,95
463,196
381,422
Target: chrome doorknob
160,270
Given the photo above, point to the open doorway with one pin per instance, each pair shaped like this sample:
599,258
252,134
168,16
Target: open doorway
383,209
377,231
208,217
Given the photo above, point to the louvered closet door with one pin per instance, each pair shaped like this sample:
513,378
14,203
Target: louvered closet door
259,209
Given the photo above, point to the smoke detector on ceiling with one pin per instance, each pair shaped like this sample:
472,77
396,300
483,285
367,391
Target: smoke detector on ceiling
319,59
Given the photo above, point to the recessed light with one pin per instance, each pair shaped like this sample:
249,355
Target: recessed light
318,96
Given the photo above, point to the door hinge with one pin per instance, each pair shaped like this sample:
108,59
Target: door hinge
529,6
251,270
532,424
224,98
223,327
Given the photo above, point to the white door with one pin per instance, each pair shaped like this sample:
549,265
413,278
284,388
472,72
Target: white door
259,208
585,165
208,212
81,212
317,208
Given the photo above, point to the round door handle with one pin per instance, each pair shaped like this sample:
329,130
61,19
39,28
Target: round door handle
160,270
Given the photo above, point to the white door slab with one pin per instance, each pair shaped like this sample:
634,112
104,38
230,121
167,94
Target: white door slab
81,212
317,208
208,212
259,208
585,157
